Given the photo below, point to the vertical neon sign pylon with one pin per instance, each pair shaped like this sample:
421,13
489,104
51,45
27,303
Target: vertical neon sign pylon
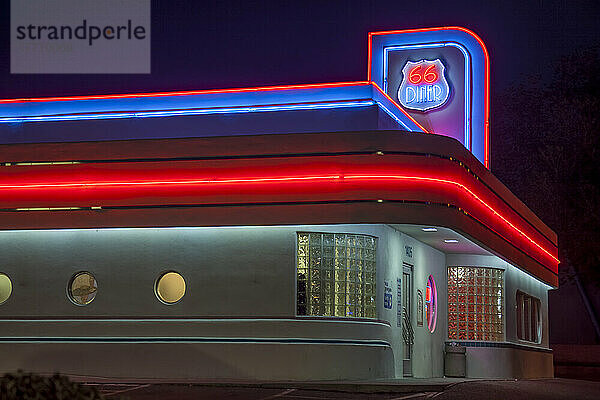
466,116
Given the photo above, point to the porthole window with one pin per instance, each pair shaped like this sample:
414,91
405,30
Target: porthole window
83,288
431,304
5,287
170,287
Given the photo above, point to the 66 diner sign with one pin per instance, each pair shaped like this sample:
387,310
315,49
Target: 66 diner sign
424,85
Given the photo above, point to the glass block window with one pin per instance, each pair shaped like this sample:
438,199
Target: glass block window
475,303
336,275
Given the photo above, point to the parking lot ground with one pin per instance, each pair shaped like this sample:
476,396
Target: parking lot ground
401,389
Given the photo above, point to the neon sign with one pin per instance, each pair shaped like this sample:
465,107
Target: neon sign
465,114
424,85
431,304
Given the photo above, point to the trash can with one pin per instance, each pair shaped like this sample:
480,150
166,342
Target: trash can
455,360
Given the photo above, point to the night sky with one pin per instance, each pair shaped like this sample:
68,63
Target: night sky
222,44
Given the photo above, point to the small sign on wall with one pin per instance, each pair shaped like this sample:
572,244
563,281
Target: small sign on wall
408,251
419,308
387,296
399,302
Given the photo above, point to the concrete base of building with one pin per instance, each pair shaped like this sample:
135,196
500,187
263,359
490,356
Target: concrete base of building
509,362
189,360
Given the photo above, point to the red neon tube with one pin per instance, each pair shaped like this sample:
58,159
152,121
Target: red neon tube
356,178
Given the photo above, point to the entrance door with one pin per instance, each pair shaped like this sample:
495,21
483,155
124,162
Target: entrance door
408,335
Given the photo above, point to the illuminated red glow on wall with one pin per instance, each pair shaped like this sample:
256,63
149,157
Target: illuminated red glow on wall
299,180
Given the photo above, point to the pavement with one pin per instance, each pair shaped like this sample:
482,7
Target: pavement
401,389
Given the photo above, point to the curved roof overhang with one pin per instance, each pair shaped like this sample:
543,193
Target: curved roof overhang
354,177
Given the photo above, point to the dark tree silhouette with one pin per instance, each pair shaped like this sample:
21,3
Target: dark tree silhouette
545,147
546,142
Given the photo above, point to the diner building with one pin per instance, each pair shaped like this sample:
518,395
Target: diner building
349,230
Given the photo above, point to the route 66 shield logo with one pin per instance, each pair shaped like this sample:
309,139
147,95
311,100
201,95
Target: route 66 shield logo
424,86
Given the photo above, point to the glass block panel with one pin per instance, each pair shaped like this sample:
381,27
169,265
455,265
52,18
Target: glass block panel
316,251
302,239
302,262
370,277
340,286
301,309
315,239
336,275
328,240
475,303
315,274
451,310
314,262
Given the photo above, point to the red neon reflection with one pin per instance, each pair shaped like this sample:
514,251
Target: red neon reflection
486,55
365,179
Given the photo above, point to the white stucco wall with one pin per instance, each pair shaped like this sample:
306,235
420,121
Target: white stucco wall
240,290
428,350
241,286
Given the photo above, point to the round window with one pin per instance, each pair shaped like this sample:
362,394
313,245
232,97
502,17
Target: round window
170,287
83,288
5,287
431,303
